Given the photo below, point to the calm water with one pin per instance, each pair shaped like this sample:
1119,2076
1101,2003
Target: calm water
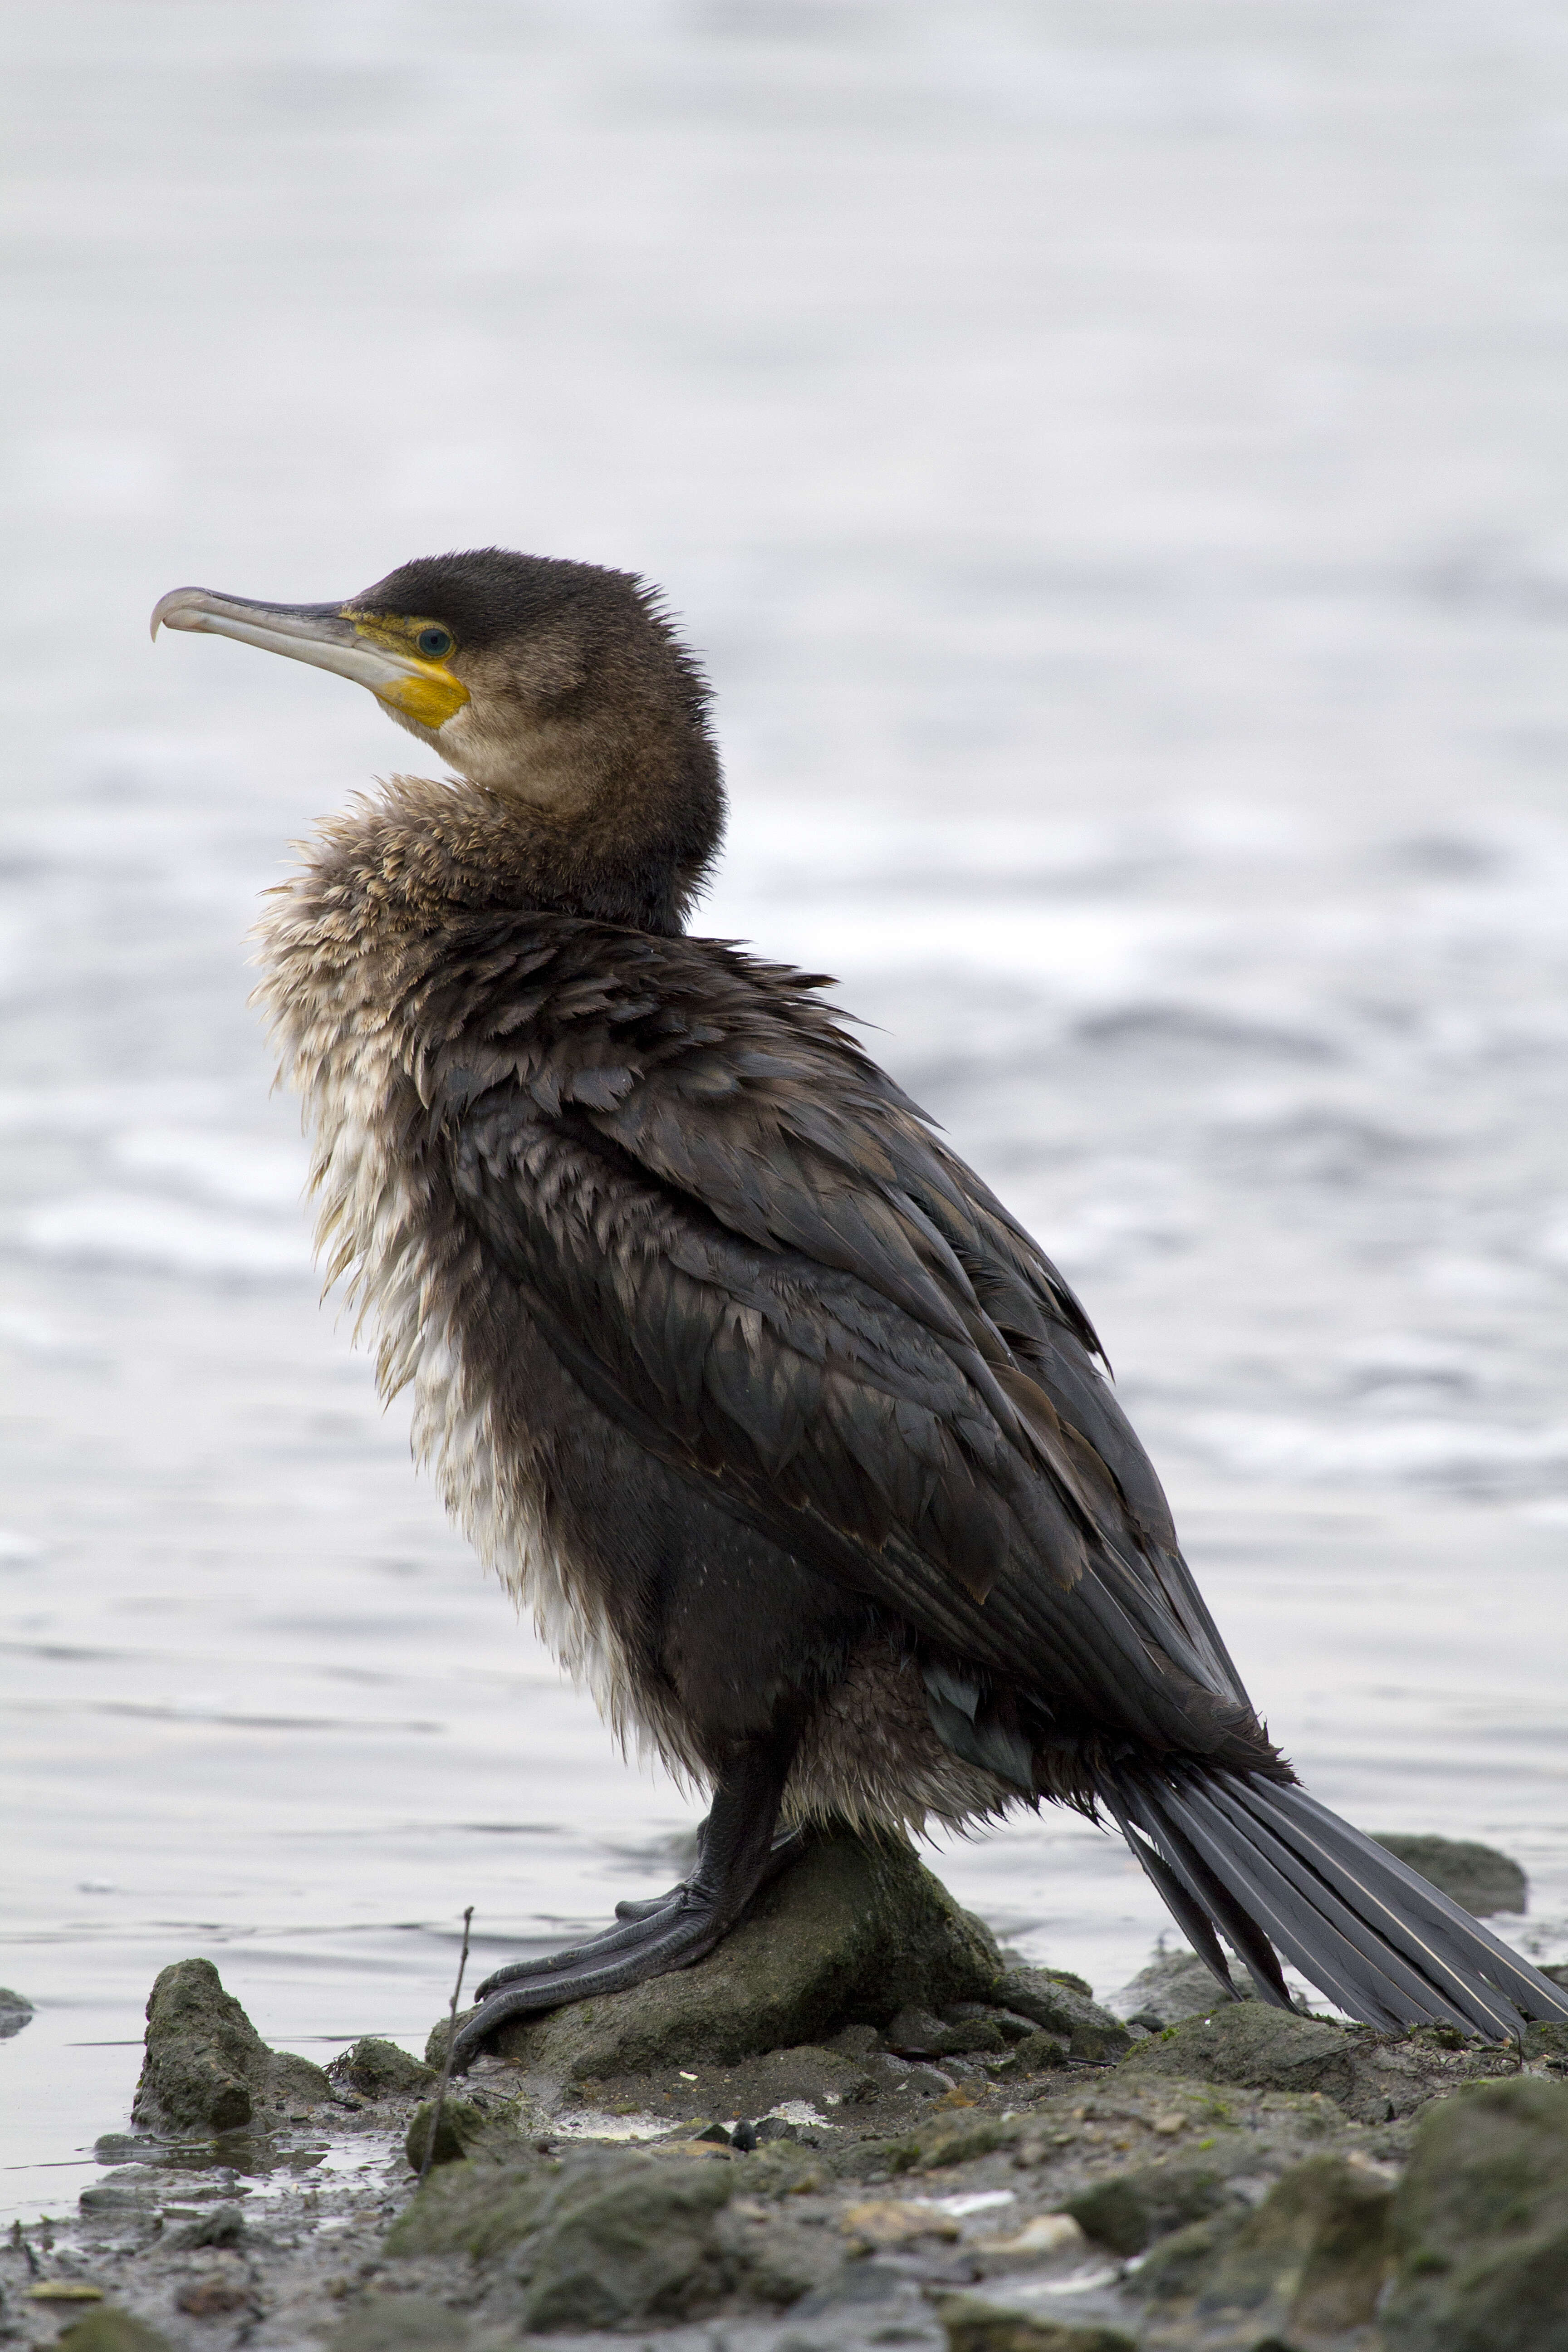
1111,457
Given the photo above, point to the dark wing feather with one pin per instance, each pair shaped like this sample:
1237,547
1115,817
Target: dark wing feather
750,1248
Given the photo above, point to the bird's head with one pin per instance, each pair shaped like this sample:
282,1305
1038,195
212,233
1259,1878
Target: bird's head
559,689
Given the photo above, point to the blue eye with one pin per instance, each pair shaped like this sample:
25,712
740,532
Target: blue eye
434,643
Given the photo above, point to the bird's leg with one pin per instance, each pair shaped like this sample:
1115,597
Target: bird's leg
738,1855
785,1848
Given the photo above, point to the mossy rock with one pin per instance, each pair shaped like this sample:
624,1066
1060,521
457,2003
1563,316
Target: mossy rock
206,2064
1255,2047
1311,2260
600,2239
460,2129
973,2325
1050,2000
1481,2225
475,2207
16,2010
401,2323
380,2070
1308,2267
1374,2078
1477,1877
109,2329
858,1930
1128,2213
1171,1985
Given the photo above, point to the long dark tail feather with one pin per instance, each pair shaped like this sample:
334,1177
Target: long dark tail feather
1279,1876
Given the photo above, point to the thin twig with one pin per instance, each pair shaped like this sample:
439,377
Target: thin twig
445,2084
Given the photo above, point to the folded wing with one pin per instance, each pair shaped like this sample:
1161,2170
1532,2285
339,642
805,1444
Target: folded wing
752,1252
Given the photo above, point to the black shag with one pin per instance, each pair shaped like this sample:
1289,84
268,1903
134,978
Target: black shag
800,1451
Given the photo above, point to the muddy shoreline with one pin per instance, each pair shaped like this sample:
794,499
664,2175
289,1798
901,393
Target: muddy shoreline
958,2151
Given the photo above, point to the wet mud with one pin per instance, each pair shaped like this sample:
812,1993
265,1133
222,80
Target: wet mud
1009,2169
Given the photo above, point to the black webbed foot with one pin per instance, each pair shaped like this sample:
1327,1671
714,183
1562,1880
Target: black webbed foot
785,1849
738,1855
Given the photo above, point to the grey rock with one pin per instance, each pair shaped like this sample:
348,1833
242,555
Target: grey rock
206,2062
972,2325
461,2128
380,2070
950,2139
858,2283
1049,2001
599,2240
920,2075
1308,2267
858,2040
1131,2209
1013,2027
16,2010
1172,1986
774,2259
1372,2079
858,1930
129,2188
109,2329
1481,2225
917,2034
1038,2052
478,2208
1549,2041
914,2032
223,2226
401,2323
1477,1877
128,2148
1253,2046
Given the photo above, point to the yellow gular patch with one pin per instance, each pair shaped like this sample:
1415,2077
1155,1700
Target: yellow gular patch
429,693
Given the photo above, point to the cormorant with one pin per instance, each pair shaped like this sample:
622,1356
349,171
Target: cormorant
801,1452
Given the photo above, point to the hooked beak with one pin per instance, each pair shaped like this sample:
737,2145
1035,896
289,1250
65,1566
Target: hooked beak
330,636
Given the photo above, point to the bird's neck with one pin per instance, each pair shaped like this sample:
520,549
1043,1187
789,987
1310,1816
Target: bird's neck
421,851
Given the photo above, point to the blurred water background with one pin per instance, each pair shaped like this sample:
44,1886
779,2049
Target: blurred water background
1110,456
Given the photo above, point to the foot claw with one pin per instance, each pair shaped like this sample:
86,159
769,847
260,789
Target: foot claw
625,1936
676,1934
738,1855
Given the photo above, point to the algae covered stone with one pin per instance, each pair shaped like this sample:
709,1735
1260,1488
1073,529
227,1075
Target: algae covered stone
16,2010
475,2207
1477,1877
856,1931
1372,2077
598,2240
205,2064
380,2070
1047,2000
1251,2046
401,2323
1130,2210
1171,1985
973,2325
109,2329
1481,2225
459,2126
205,2059
1308,2267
